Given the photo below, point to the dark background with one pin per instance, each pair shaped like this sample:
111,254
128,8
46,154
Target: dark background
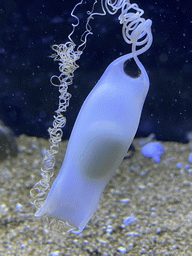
29,28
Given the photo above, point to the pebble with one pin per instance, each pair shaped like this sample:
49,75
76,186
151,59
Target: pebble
3,208
109,229
179,165
121,249
132,234
125,200
190,158
19,207
129,220
55,253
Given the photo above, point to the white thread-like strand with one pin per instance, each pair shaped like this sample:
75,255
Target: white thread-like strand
135,30
67,58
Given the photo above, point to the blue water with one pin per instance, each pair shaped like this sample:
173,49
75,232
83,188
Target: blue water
29,28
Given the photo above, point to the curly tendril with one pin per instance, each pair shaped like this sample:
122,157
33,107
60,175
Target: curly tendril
135,30
67,57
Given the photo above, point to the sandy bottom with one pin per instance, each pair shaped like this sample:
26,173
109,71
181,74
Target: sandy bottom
146,209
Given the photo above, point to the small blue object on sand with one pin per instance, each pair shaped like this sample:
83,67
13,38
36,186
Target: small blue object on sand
190,158
153,150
